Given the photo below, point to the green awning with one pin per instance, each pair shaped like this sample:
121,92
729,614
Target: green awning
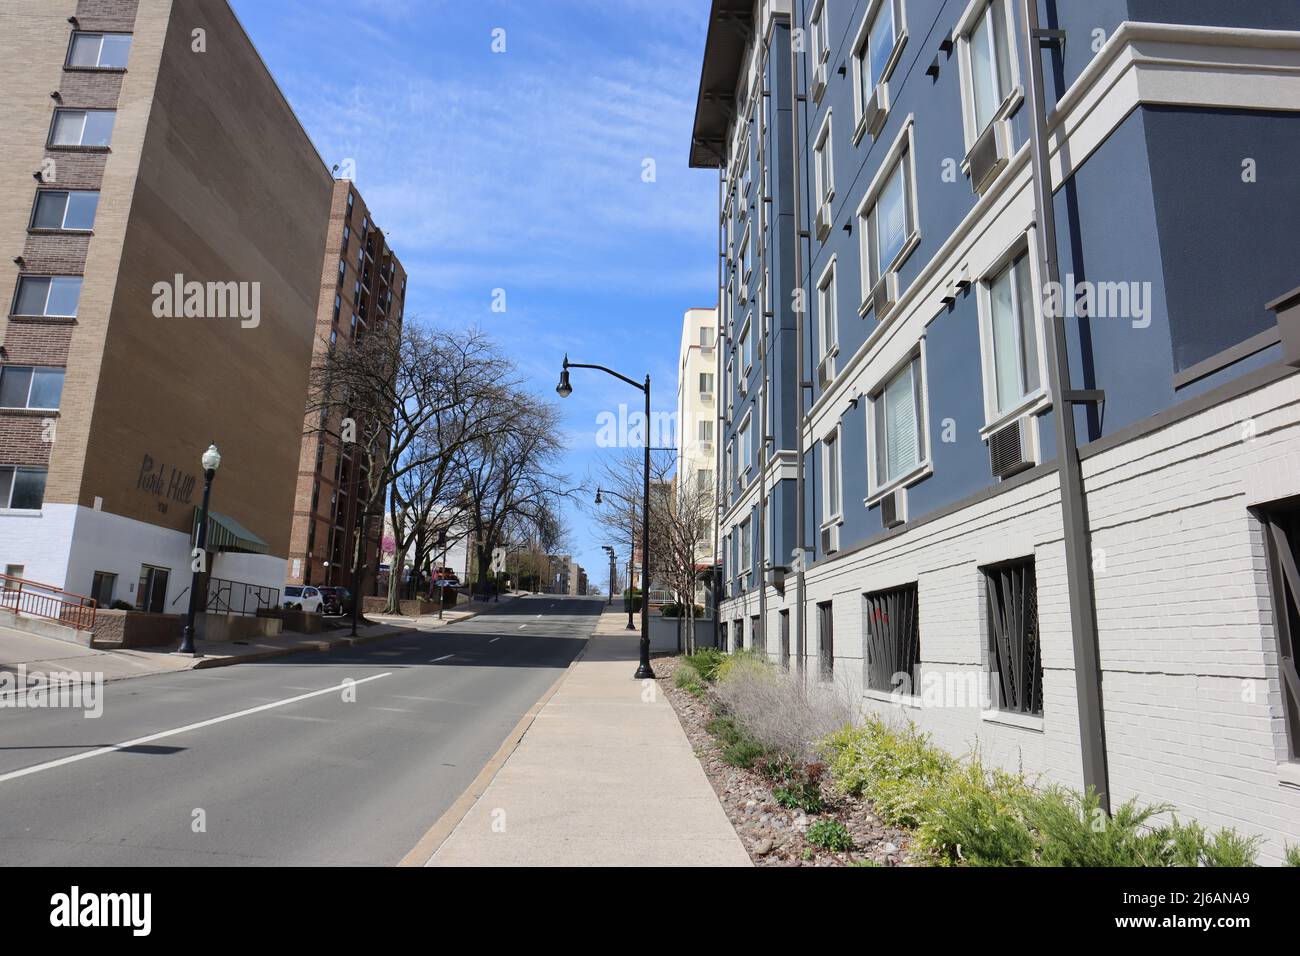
227,534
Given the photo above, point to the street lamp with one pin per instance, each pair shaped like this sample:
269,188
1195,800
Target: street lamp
211,461
564,389
631,557
609,602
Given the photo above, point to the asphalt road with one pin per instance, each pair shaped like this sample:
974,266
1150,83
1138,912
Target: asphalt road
306,777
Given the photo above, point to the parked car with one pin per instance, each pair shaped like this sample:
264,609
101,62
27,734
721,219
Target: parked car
445,578
302,598
336,600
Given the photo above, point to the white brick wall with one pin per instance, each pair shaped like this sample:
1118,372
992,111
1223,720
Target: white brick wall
1189,658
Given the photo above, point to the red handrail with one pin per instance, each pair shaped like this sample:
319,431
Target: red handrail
46,601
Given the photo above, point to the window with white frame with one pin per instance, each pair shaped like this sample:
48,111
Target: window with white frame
742,258
1011,338
745,439
823,165
819,45
25,386
990,64
99,51
53,296
832,507
888,222
83,128
898,412
746,348
704,480
731,462
706,337
746,551
65,210
827,317
706,383
875,48
706,429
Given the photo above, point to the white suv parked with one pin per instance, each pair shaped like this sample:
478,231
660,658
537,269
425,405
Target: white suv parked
299,598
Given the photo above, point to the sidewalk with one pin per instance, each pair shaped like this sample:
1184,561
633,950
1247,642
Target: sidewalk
44,655
604,776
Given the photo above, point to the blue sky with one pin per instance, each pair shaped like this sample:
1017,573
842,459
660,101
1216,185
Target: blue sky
522,171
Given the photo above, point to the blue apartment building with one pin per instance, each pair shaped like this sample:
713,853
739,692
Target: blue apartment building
903,319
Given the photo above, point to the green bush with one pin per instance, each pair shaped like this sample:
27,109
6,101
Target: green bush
738,749
632,601
677,609
893,768
1292,855
829,835
976,816
802,795
687,678
743,664
706,662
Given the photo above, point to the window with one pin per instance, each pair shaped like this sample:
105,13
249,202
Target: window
888,222
343,270
746,552
990,55
899,425
819,35
27,387
785,640
352,198
1012,336
828,320
706,383
65,211
756,634
338,306
22,489
706,338
101,51
831,470
742,260
704,479
893,638
706,429
55,296
823,166
14,571
102,587
746,349
1281,524
1015,651
825,640
82,128
875,49
730,473
746,447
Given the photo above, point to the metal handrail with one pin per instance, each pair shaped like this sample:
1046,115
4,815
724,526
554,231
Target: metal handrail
47,601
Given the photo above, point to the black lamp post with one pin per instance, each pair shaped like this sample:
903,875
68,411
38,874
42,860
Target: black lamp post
211,461
610,551
564,389
631,557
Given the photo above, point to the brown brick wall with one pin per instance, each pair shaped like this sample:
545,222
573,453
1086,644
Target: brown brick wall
22,439
111,15
37,341
51,254
90,89
74,171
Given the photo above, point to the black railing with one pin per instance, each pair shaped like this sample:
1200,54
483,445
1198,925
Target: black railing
893,637
235,597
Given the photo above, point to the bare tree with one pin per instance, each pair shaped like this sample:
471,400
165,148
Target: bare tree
385,396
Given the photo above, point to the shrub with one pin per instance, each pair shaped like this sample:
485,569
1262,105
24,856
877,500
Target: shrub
121,606
706,662
776,709
800,795
976,816
677,609
1072,830
829,835
892,767
687,678
738,749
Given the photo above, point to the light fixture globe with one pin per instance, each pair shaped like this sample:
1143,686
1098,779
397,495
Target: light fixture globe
564,389
598,501
211,458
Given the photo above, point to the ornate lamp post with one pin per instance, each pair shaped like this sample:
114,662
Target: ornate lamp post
211,461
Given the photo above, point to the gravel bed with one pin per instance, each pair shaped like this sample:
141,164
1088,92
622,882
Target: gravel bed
772,834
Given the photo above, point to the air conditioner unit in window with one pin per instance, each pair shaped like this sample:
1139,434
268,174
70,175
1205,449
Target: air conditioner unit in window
990,153
743,294
825,371
706,398
893,510
884,295
819,81
1008,451
830,539
742,386
876,110
824,223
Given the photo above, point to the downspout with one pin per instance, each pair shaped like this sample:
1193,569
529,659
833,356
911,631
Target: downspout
718,482
760,335
801,530
1074,509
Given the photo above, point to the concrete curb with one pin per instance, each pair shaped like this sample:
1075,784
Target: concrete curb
446,825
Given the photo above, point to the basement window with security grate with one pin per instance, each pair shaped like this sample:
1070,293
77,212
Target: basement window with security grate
893,636
1015,647
1281,523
